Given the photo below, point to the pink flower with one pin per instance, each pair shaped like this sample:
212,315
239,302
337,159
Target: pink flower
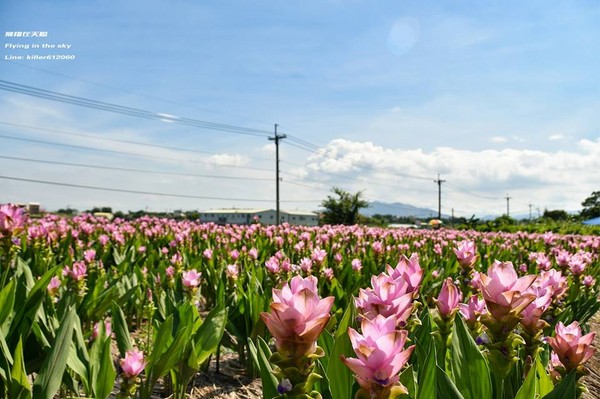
533,312
191,278
381,354
133,364
170,271
207,253
297,316
571,347
54,285
466,253
554,280
77,273
89,255
12,219
388,297
450,297
107,329
473,309
253,253
589,281
272,264
306,264
503,292
408,270
328,273
232,272
318,255
356,265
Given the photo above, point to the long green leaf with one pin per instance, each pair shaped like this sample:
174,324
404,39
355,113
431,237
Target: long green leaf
261,356
119,326
210,333
428,376
7,301
25,316
566,389
340,377
469,367
545,383
446,388
106,374
19,384
49,378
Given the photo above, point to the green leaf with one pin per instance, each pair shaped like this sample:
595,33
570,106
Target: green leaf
75,364
469,367
340,376
27,313
105,380
407,378
7,301
49,378
427,376
261,357
119,327
210,333
446,388
162,340
19,384
566,389
545,383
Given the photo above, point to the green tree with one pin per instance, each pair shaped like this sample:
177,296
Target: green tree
557,214
344,208
591,206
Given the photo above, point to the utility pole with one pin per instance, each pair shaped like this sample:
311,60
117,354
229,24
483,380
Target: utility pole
276,138
530,206
508,205
439,183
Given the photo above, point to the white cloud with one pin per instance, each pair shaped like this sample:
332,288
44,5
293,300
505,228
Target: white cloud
556,137
477,180
228,159
498,139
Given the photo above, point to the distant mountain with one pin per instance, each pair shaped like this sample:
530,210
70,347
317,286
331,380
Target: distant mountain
398,209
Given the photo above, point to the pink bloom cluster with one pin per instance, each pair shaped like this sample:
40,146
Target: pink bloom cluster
466,253
381,353
571,346
504,292
392,293
133,364
297,316
12,218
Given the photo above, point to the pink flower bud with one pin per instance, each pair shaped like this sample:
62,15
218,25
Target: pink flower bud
297,316
191,278
450,297
571,347
133,364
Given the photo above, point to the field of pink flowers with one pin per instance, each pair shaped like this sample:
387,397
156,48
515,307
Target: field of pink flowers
92,308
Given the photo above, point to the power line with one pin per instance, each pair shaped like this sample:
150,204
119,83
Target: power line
158,172
124,110
127,153
105,138
142,192
151,97
471,193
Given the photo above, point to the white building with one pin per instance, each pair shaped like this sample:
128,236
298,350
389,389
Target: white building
263,216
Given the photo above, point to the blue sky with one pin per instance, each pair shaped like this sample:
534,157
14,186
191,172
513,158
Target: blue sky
499,97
